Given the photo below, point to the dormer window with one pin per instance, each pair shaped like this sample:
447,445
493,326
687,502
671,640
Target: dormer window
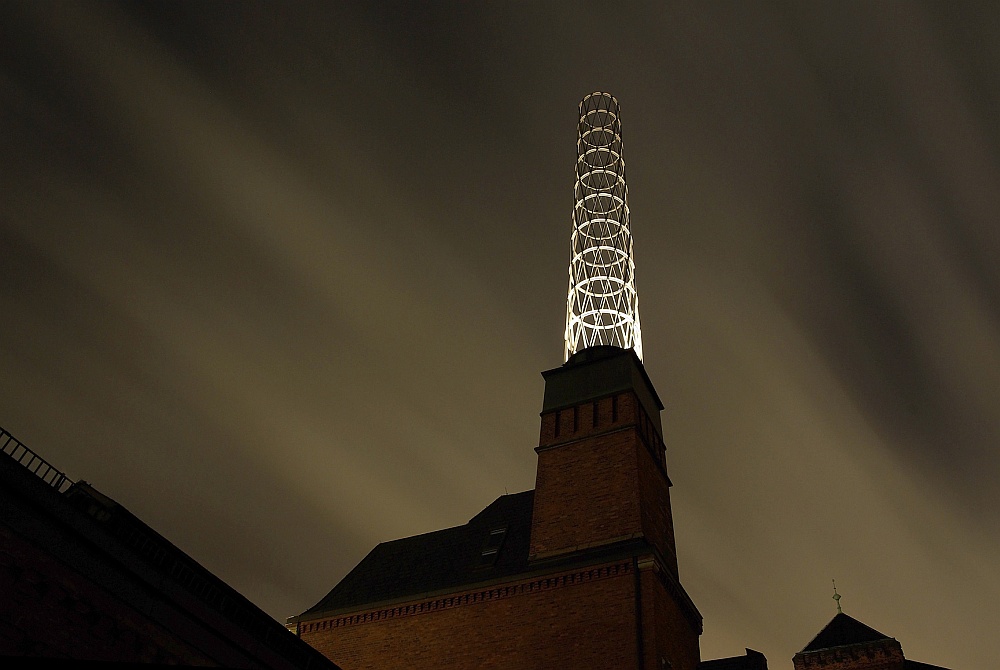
491,546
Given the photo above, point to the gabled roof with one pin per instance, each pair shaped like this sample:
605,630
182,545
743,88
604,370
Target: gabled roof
844,630
473,553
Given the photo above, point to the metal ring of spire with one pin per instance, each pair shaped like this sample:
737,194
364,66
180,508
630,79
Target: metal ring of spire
602,307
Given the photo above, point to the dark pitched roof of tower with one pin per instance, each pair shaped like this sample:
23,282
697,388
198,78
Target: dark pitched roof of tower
844,630
493,544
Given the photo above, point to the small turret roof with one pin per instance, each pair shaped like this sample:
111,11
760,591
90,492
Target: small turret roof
844,630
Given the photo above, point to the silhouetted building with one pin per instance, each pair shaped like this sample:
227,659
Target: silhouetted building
752,660
82,579
847,644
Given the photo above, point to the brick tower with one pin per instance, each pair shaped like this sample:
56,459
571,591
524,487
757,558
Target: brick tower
581,571
602,486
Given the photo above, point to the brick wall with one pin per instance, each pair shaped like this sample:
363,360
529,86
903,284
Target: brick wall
671,634
654,494
601,480
880,655
579,619
586,490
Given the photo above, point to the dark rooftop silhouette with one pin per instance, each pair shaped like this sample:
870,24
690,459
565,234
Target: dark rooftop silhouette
843,630
441,559
70,550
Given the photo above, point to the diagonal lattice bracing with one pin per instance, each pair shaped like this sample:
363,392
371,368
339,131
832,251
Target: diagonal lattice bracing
602,306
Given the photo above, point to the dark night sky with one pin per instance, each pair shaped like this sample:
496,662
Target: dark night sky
282,281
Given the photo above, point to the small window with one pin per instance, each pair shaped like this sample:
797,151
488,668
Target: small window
491,546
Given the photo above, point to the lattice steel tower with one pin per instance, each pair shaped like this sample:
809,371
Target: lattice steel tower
602,306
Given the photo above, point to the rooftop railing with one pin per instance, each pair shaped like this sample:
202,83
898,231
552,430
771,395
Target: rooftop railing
17,450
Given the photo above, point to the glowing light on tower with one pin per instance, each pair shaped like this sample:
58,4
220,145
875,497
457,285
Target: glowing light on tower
602,306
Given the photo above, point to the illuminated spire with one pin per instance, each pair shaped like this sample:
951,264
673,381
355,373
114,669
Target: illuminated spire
602,307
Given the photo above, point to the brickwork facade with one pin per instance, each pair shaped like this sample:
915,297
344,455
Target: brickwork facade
601,478
586,486
672,633
599,584
588,616
880,655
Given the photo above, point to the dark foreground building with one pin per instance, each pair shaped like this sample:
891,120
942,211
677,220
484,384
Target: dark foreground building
752,660
84,580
